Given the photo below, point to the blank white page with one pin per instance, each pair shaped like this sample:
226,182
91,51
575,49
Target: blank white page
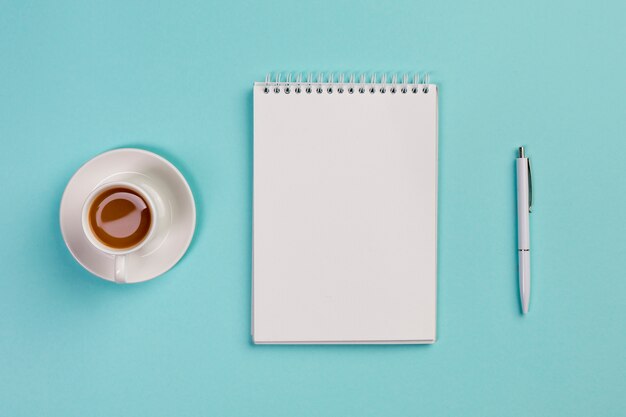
345,216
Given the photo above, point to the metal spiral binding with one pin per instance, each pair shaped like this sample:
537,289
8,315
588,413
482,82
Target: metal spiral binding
375,85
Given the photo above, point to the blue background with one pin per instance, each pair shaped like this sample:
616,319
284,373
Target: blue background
80,78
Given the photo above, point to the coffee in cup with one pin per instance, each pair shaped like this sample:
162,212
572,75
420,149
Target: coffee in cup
120,218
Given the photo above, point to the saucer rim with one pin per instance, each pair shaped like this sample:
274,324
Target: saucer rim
149,154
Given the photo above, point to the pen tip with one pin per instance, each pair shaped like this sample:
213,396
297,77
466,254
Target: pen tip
521,152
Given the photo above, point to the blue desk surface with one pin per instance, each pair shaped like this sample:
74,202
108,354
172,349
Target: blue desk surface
79,78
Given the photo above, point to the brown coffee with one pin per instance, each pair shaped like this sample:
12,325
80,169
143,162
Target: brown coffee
120,218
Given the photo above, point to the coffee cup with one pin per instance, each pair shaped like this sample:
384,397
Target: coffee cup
120,218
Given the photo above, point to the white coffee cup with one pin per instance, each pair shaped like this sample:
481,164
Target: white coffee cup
148,193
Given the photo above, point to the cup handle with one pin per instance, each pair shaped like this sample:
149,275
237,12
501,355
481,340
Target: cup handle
120,269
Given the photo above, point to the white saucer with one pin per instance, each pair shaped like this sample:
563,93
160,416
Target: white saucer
153,259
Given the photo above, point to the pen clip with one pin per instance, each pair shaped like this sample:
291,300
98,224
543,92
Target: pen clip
530,189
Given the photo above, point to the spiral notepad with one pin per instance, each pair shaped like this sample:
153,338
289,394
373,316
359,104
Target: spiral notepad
345,210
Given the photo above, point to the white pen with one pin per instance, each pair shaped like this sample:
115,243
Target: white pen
524,205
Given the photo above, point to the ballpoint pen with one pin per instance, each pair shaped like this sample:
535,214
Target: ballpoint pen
524,206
